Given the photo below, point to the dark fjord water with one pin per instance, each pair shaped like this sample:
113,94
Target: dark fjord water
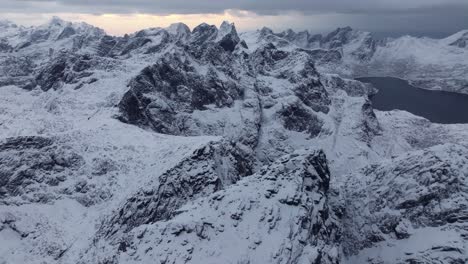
437,106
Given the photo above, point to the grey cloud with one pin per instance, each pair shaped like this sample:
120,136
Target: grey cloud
424,17
217,6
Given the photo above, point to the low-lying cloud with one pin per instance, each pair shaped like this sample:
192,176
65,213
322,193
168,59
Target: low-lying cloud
400,16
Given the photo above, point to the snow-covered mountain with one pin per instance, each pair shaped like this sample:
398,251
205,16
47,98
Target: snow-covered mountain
173,145
437,64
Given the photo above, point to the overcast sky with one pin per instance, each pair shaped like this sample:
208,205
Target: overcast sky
386,17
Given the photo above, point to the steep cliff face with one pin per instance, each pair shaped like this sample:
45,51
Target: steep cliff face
208,170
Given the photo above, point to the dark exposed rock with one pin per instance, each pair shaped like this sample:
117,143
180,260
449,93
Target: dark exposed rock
135,44
206,171
230,40
52,76
18,66
337,38
39,35
264,58
302,39
179,88
66,33
313,94
297,117
370,124
461,42
323,56
4,46
20,143
67,69
27,163
313,230
106,46
203,33
351,87
418,190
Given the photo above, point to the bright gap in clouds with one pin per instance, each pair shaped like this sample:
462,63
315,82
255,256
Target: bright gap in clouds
120,24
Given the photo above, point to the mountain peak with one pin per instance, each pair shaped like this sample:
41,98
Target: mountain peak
203,33
7,23
227,36
266,31
459,39
225,29
340,30
203,26
226,24
55,20
179,30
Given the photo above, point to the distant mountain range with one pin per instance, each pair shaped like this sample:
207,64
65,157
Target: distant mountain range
439,64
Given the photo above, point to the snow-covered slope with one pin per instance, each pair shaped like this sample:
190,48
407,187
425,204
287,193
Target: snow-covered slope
279,215
173,145
411,208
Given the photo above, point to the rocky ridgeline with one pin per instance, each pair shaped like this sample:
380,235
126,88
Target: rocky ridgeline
437,64
279,215
208,170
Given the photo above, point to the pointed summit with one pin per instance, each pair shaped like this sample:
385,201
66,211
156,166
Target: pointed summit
226,28
227,36
337,38
266,31
289,33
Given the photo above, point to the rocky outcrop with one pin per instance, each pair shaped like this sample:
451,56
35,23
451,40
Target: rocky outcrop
227,36
17,71
399,200
162,93
279,215
30,166
297,118
461,41
352,88
313,94
70,69
208,170
62,70
302,39
337,38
